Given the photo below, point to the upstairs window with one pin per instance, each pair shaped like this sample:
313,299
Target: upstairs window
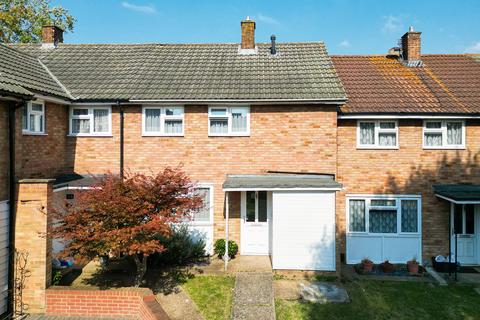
90,121
444,134
377,134
229,121
163,121
33,121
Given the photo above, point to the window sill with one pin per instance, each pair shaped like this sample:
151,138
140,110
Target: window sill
445,148
161,135
376,148
230,135
28,133
89,135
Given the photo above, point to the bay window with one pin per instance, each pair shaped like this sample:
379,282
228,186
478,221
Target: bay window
90,121
383,214
229,121
163,121
33,121
381,134
443,134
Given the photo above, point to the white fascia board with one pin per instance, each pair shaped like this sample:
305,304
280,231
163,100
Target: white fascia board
458,202
376,116
52,99
281,189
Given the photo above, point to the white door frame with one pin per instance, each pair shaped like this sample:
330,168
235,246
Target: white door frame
244,225
475,237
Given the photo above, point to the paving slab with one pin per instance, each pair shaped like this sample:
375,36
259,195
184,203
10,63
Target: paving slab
253,298
323,292
179,306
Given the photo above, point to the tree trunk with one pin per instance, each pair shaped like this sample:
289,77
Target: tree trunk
141,269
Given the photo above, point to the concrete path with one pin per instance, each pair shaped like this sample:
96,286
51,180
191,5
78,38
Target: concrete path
253,298
179,306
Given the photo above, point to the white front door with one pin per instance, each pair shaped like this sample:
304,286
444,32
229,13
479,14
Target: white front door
465,225
255,230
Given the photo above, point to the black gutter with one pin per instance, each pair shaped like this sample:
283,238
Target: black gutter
122,139
11,203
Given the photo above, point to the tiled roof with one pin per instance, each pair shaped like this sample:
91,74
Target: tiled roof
300,71
21,73
378,84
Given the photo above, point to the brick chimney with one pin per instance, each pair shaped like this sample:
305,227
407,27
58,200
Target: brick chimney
248,34
411,46
51,36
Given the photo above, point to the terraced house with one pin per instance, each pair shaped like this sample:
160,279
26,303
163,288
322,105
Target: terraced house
311,159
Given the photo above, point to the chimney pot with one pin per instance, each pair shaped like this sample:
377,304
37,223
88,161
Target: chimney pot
248,34
51,36
412,46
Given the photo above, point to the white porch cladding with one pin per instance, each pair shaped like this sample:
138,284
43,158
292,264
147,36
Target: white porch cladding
302,222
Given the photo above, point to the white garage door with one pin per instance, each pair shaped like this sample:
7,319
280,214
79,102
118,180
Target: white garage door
3,256
304,230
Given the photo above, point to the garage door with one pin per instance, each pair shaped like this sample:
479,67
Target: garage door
3,256
303,230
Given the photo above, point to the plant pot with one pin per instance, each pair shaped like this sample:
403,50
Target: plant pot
412,267
387,267
367,267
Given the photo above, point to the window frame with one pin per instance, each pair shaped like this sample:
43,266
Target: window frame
443,131
163,118
27,131
210,222
229,118
377,132
257,213
397,207
90,117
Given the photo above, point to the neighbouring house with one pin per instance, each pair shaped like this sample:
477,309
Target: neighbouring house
311,159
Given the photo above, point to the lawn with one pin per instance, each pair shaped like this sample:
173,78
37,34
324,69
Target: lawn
390,300
212,295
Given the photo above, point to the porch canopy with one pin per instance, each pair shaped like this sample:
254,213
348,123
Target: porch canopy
280,181
458,193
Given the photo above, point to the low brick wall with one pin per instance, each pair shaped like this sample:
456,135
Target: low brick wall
124,303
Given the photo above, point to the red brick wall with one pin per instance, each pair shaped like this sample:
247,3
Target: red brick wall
3,151
408,170
128,303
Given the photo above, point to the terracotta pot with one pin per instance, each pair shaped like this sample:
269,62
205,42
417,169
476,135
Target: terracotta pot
412,266
367,266
387,267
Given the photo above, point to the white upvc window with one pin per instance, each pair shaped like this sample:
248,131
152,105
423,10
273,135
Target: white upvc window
91,121
384,214
377,134
229,121
163,121
444,134
204,215
33,121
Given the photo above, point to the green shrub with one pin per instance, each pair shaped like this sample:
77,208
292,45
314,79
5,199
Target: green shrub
219,248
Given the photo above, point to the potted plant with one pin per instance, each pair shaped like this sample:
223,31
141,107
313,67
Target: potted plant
412,266
387,267
367,265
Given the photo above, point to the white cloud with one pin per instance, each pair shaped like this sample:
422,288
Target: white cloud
474,48
267,19
392,24
150,9
345,44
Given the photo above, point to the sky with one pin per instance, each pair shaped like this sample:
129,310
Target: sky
346,26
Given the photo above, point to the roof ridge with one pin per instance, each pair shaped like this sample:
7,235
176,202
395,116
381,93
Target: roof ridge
12,45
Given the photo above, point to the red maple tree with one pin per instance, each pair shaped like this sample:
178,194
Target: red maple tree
129,216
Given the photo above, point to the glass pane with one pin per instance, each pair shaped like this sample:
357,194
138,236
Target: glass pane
203,214
383,221
25,118
383,203
239,120
469,219
173,126
262,206
218,126
434,125
100,120
387,125
367,133
152,120
37,107
387,139
357,215
433,139
458,219
36,123
80,112
250,206
218,111
80,126
174,111
409,216
454,133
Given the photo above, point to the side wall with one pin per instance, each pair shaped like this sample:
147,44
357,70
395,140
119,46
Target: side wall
3,151
408,170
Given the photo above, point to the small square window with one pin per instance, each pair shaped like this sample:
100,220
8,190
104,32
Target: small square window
229,121
163,121
33,121
377,134
86,121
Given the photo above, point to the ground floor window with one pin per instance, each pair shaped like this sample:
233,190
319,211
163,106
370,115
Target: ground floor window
205,213
383,214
